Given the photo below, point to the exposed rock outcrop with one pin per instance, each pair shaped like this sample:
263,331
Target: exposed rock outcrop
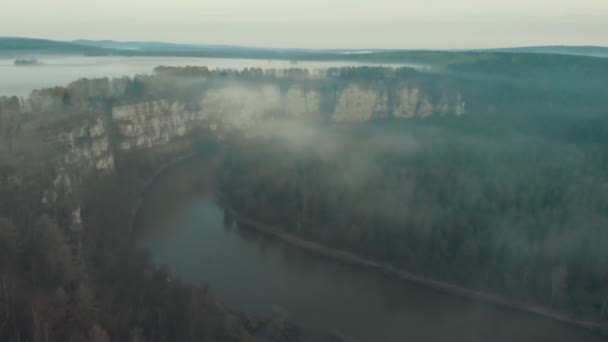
88,146
152,123
356,104
90,143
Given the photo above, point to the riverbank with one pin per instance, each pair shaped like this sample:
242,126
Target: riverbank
441,286
150,181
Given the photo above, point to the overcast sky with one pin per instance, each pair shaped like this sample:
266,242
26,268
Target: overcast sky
315,23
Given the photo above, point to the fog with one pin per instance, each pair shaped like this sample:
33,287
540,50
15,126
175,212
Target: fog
62,70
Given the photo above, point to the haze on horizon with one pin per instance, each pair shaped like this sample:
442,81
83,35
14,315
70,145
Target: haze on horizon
316,23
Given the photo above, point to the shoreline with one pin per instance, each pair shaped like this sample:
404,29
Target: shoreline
441,286
149,182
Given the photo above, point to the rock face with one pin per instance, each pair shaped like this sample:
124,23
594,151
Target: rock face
88,146
90,143
148,124
412,102
356,104
80,148
234,105
408,103
240,105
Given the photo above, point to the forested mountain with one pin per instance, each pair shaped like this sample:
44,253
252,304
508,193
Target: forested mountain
20,45
592,51
135,48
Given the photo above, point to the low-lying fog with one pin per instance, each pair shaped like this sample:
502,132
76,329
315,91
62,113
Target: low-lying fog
61,70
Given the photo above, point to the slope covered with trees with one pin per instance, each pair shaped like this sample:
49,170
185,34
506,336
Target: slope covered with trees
523,215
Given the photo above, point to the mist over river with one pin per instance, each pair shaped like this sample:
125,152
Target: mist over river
62,70
183,227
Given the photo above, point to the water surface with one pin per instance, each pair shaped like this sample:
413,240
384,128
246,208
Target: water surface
61,70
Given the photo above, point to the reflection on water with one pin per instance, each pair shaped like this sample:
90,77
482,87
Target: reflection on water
254,273
61,70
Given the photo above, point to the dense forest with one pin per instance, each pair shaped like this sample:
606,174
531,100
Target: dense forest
87,282
511,197
519,214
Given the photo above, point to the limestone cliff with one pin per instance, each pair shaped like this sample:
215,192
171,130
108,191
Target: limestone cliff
89,143
411,102
357,104
151,123
88,146
77,148
241,105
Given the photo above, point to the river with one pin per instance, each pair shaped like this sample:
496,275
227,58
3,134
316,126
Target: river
253,273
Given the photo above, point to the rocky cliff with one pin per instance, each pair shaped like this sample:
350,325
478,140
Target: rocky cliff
240,105
102,121
95,127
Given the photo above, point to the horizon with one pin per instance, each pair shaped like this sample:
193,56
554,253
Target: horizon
318,24
203,44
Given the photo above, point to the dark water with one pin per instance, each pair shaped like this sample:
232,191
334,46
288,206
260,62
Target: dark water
256,274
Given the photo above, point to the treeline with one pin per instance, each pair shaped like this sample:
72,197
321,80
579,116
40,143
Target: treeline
533,84
509,210
189,84
489,83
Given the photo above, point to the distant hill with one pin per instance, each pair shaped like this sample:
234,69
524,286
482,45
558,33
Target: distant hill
161,46
592,51
32,45
16,46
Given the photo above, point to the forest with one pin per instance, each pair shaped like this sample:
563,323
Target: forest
88,282
511,197
521,214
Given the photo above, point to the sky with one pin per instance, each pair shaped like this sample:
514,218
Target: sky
441,24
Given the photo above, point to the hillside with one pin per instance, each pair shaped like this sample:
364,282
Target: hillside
591,51
116,48
31,45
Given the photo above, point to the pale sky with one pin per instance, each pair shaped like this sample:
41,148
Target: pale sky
315,23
